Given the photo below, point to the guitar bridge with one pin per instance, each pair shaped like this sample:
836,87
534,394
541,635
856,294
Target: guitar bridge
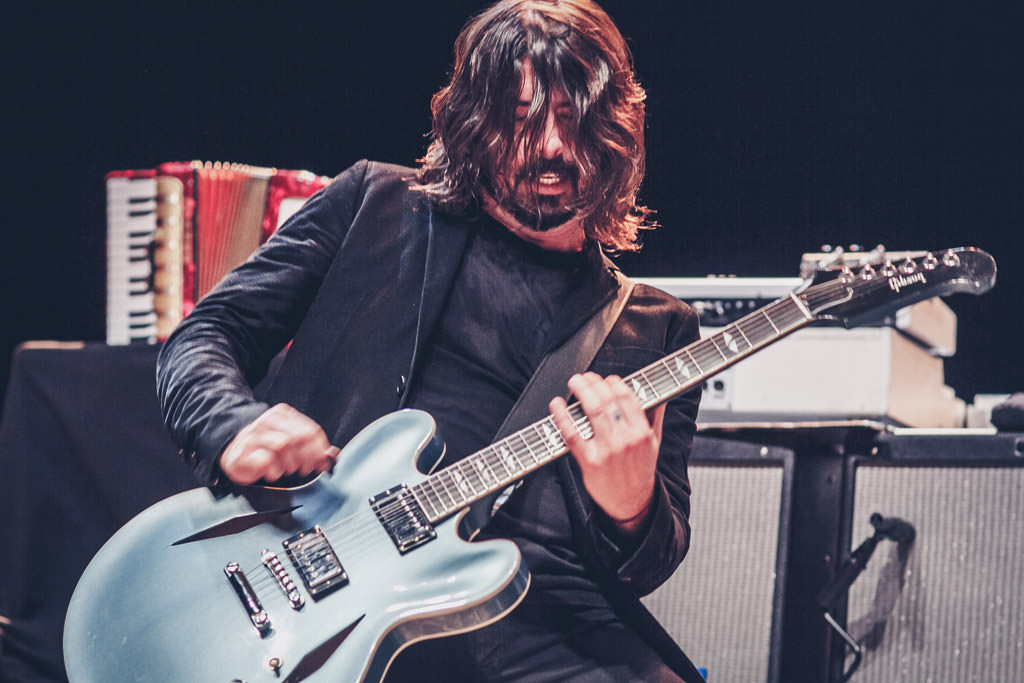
403,518
251,603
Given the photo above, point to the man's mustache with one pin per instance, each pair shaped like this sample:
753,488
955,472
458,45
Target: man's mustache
558,166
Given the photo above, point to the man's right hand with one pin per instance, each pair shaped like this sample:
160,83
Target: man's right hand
282,441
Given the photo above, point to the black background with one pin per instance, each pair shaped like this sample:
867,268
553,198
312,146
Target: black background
773,129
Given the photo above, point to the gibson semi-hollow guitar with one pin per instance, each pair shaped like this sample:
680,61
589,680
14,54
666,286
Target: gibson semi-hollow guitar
328,581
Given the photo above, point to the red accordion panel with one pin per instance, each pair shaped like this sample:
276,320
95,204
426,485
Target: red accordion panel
173,232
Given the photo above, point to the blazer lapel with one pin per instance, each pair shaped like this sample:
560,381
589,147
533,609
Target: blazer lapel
447,239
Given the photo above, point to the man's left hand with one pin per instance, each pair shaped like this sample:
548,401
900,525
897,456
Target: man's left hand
619,462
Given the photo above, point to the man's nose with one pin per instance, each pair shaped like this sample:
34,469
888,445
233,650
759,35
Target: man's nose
552,146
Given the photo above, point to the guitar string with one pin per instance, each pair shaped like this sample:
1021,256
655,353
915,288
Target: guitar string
654,377
757,324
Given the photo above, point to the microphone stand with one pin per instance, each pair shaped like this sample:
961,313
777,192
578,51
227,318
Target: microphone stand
891,528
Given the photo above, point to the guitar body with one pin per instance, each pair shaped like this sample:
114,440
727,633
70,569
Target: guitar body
152,608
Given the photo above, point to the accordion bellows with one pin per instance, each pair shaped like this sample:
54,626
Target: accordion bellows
174,231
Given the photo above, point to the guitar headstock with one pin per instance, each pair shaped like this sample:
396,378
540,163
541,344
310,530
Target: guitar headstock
853,297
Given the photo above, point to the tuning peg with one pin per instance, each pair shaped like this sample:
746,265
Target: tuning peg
867,273
888,269
930,262
908,266
846,275
950,259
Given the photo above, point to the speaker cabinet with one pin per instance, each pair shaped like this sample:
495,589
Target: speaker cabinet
723,605
949,606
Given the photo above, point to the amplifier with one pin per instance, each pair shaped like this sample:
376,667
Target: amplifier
948,606
724,604
723,300
892,371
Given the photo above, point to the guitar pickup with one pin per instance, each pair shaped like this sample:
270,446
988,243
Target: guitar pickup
403,518
315,560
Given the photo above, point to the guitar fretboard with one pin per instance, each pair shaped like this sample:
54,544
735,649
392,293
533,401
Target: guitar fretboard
508,460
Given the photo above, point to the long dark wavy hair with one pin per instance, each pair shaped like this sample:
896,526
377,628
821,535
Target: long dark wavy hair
573,47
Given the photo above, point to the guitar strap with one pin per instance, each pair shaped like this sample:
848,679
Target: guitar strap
573,356
549,380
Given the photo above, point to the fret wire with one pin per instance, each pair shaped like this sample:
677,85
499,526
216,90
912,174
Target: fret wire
762,326
672,366
459,479
453,485
517,456
665,383
482,473
555,442
730,340
424,500
435,498
486,467
782,312
693,360
718,348
543,431
709,354
537,439
667,362
656,377
525,455
792,312
468,472
661,380
506,453
640,386
742,333
546,432
780,319
691,370
471,474
760,332
583,426
767,317
445,488
580,421
494,458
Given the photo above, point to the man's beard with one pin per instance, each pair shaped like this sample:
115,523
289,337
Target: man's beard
542,212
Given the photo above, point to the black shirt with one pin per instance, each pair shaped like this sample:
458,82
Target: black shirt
511,303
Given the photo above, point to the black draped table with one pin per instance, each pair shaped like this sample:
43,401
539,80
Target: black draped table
82,450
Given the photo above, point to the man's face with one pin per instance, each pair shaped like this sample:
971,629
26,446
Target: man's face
544,188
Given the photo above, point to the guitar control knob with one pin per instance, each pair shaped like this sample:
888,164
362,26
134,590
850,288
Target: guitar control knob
908,266
950,259
867,273
888,269
930,262
275,664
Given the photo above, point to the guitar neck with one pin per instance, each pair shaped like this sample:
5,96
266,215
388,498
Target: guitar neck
510,459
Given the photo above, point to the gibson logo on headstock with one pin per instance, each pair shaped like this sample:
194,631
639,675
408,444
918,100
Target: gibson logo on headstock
898,283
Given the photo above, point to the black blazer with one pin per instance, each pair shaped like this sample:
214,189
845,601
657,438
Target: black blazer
355,282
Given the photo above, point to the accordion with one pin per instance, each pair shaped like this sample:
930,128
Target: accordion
174,231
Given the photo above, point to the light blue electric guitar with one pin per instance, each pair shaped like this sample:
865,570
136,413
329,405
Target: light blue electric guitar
329,581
